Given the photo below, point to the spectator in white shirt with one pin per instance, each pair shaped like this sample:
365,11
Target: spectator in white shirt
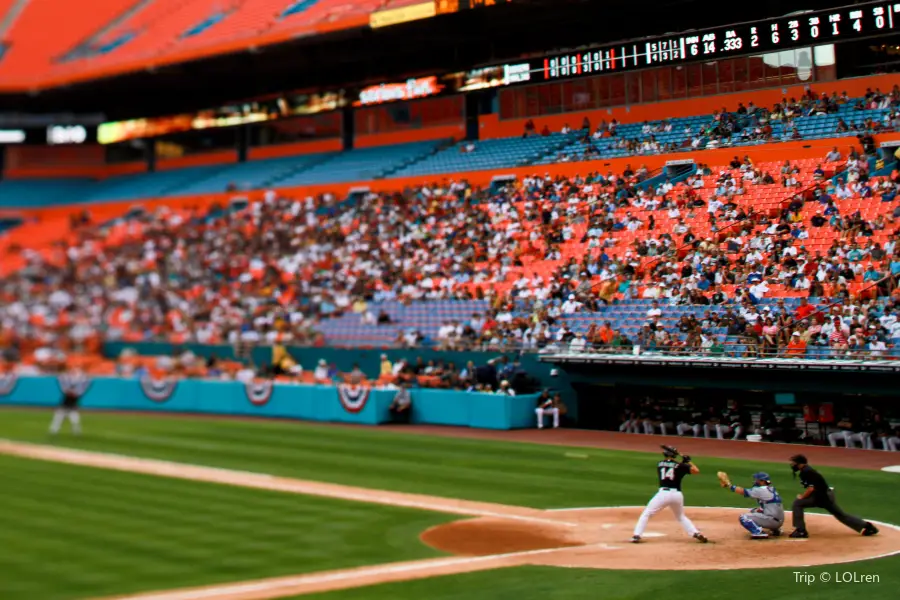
578,343
653,291
759,290
571,305
505,389
877,347
320,375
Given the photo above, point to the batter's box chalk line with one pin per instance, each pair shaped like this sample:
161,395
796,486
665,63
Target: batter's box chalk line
744,509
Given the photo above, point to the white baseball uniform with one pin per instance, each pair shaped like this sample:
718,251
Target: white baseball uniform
669,473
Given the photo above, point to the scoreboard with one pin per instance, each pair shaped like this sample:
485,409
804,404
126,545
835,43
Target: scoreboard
808,28
51,135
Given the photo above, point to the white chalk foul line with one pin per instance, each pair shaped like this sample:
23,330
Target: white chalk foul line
265,481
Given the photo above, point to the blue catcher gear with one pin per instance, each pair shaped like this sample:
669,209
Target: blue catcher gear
761,476
750,525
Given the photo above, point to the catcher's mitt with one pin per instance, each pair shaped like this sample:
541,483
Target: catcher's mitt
723,479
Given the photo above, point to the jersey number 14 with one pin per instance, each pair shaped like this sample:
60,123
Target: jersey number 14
667,473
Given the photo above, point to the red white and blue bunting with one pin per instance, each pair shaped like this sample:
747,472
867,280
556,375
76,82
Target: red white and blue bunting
8,383
158,390
259,392
353,397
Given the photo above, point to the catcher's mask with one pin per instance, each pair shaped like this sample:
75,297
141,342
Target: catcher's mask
761,476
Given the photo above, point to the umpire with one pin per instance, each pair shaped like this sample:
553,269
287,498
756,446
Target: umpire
819,495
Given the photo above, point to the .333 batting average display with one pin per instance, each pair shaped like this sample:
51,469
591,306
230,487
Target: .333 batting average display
803,29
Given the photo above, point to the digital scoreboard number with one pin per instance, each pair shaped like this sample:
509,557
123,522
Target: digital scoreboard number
811,28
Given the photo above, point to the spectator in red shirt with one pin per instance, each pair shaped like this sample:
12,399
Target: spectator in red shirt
805,309
489,324
796,347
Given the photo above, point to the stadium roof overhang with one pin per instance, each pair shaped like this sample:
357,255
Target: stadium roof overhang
445,43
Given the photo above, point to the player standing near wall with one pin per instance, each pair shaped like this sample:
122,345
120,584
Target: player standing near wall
669,473
73,385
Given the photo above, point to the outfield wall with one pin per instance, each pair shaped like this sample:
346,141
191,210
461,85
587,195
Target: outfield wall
286,401
369,360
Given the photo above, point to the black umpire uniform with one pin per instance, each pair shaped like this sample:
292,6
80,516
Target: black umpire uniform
822,496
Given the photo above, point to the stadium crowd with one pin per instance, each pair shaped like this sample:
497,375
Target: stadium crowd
744,125
541,251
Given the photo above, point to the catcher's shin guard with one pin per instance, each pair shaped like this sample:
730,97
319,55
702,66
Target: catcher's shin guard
750,525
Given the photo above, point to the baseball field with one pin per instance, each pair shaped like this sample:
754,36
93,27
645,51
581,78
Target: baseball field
182,508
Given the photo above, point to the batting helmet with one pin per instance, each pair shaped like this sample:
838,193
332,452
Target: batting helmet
669,451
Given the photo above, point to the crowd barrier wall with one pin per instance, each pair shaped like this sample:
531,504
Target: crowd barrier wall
286,401
369,360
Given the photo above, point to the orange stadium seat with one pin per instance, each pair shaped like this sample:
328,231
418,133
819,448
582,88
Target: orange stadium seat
93,43
46,30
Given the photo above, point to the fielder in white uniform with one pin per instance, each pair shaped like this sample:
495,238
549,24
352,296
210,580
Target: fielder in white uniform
547,406
851,433
73,385
769,515
670,473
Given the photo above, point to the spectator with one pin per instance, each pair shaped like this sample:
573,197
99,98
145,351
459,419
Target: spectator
386,369
505,389
320,375
796,348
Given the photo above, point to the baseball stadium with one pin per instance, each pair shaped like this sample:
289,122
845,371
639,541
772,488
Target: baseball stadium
449,299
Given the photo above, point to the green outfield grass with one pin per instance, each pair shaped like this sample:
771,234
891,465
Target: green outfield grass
547,583
533,475
511,473
77,532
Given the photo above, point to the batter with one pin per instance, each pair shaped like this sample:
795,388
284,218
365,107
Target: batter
669,474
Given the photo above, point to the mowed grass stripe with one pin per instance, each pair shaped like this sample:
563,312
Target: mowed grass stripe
411,463
533,475
74,532
526,583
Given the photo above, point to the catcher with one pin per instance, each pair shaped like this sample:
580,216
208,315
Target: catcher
769,515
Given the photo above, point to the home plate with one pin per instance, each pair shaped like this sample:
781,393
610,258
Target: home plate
607,526
652,534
